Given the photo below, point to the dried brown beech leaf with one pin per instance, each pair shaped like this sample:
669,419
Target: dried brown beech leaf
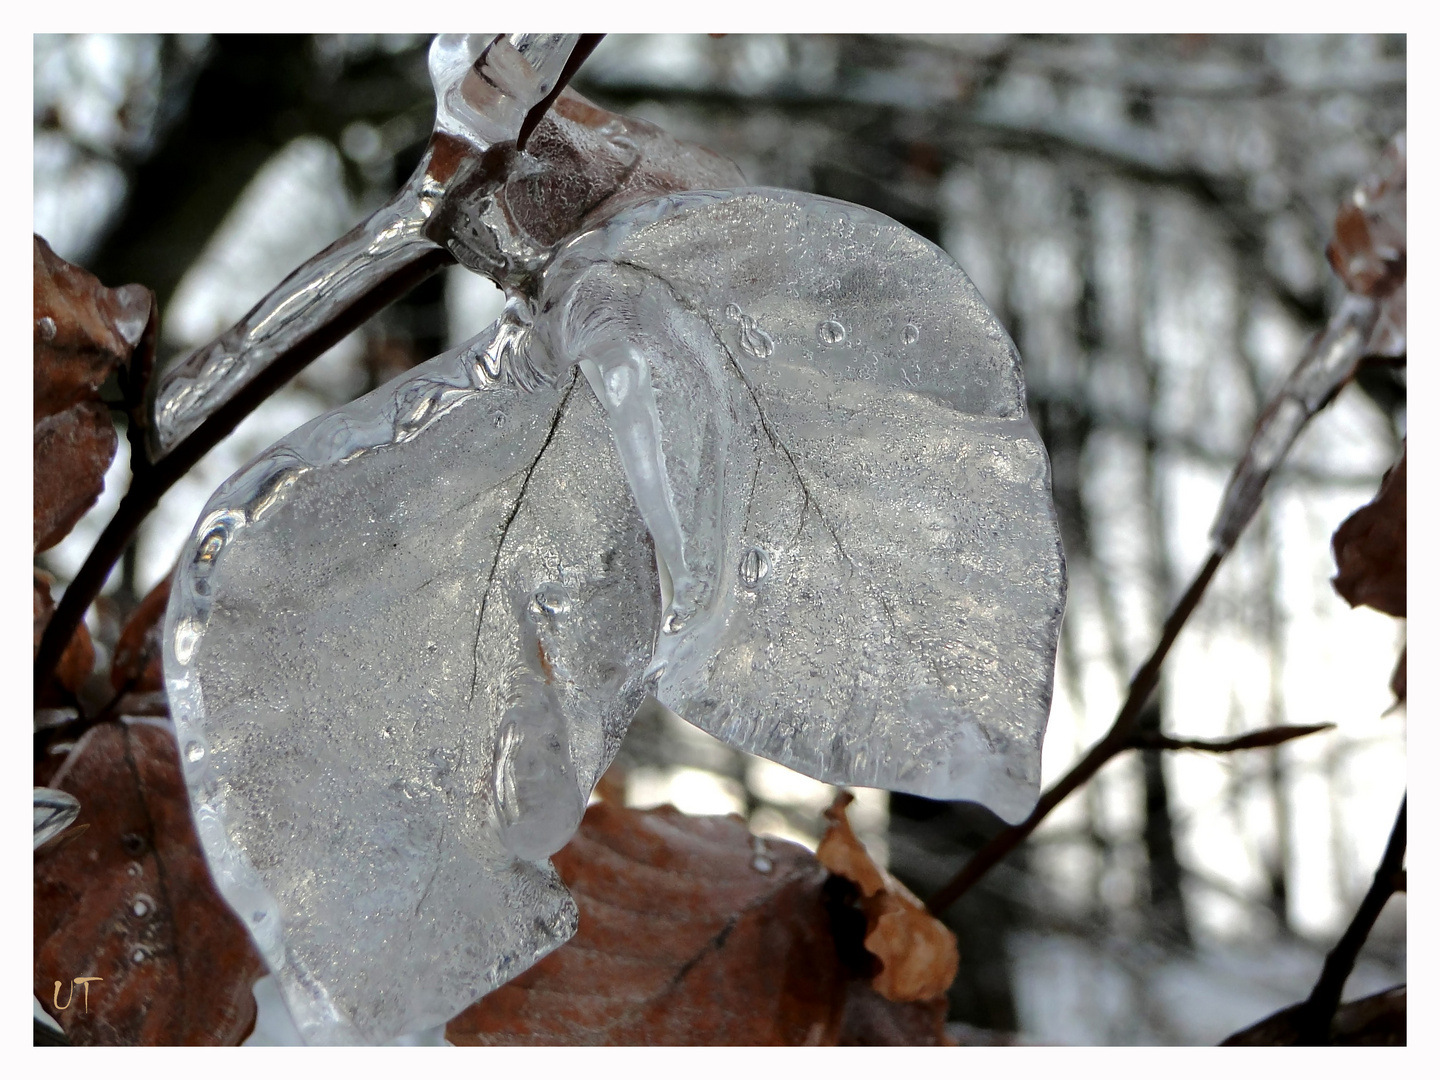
83,333
78,659
919,956
1370,549
130,902
72,451
692,932
1378,1020
596,162
136,667
91,331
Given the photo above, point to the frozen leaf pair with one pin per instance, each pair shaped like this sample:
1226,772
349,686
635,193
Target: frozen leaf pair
760,454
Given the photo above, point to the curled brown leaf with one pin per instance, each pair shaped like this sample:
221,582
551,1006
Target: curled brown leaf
1368,248
136,667
129,902
78,660
918,954
694,932
1369,549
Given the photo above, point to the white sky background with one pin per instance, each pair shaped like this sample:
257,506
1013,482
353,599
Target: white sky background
1342,788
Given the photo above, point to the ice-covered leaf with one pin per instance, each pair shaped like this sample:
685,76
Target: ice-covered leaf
83,333
55,811
825,431
1370,549
403,645
130,903
795,495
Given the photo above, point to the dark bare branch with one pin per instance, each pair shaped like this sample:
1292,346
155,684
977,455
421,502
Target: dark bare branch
1271,736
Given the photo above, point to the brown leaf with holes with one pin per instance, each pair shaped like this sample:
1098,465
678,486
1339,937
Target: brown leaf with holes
919,956
136,668
78,659
1369,549
131,903
84,332
691,932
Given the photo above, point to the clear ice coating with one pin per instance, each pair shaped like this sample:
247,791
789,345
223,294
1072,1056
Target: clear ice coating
403,645
762,454
824,430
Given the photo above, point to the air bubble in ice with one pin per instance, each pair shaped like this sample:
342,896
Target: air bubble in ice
550,599
194,750
188,633
830,332
538,801
754,565
753,340
911,334
46,325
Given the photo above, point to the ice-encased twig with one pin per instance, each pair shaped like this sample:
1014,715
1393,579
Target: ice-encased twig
484,85
1368,253
1328,364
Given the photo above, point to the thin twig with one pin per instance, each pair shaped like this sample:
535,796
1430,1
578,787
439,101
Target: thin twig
1318,1011
1117,739
578,55
1271,736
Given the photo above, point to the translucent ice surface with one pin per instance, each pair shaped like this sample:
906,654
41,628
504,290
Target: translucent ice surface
824,429
764,455
405,642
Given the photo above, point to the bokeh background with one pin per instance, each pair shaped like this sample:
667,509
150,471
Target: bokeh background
1148,218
